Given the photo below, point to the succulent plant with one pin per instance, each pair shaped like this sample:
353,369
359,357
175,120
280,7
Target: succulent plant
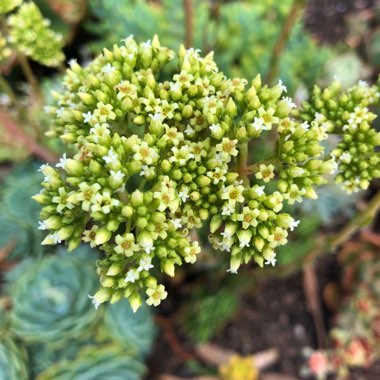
94,363
49,299
18,214
154,159
13,360
133,331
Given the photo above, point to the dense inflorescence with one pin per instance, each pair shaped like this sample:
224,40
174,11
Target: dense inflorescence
155,159
30,34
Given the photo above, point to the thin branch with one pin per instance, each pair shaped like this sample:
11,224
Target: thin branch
13,129
30,77
282,39
188,13
242,163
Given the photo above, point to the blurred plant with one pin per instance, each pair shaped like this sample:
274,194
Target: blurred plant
108,362
355,337
30,35
239,368
18,214
133,331
45,302
13,360
207,313
239,33
155,159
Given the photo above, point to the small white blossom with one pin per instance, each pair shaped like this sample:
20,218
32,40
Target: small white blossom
259,190
305,125
294,224
258,123
60,111
132,276
214,128
177,223
42,225
184,194
111,158
94,301
87,117
117,176
108,69
289,102
145,264
271,261
282,86
62,162
346,157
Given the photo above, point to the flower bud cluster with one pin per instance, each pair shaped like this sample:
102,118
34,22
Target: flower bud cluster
155,159
8,5
29,33
347,114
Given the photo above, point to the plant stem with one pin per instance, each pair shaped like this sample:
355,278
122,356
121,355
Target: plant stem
188,13
242,163
30,77
14,130
330,244
282,39
4,85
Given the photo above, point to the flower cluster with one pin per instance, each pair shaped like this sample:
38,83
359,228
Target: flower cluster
29,33
347,113
8,5
155,159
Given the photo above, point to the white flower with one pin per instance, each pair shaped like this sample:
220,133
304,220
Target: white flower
258,123
232,270
363,83
157,117
62,162
60,111
177,223
289,102
56,238
259,190
271,261
108,69
42,225
145,264
214,128
346,157
319,117
175,86
87,117
282,86
189,130
132,276
117,176
147,246
305,125
227,210
94,301
335,167
184,194
294,224
146,171
111,158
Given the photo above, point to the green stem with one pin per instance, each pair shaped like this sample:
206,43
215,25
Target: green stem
30,77
331,243
188,16
242,163
282,39
9,91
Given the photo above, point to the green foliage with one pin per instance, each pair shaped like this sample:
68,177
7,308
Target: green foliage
241,33
13,360
29,34
46,306
208,313
133,331
108,362
18,213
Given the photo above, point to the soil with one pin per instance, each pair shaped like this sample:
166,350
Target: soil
326,19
